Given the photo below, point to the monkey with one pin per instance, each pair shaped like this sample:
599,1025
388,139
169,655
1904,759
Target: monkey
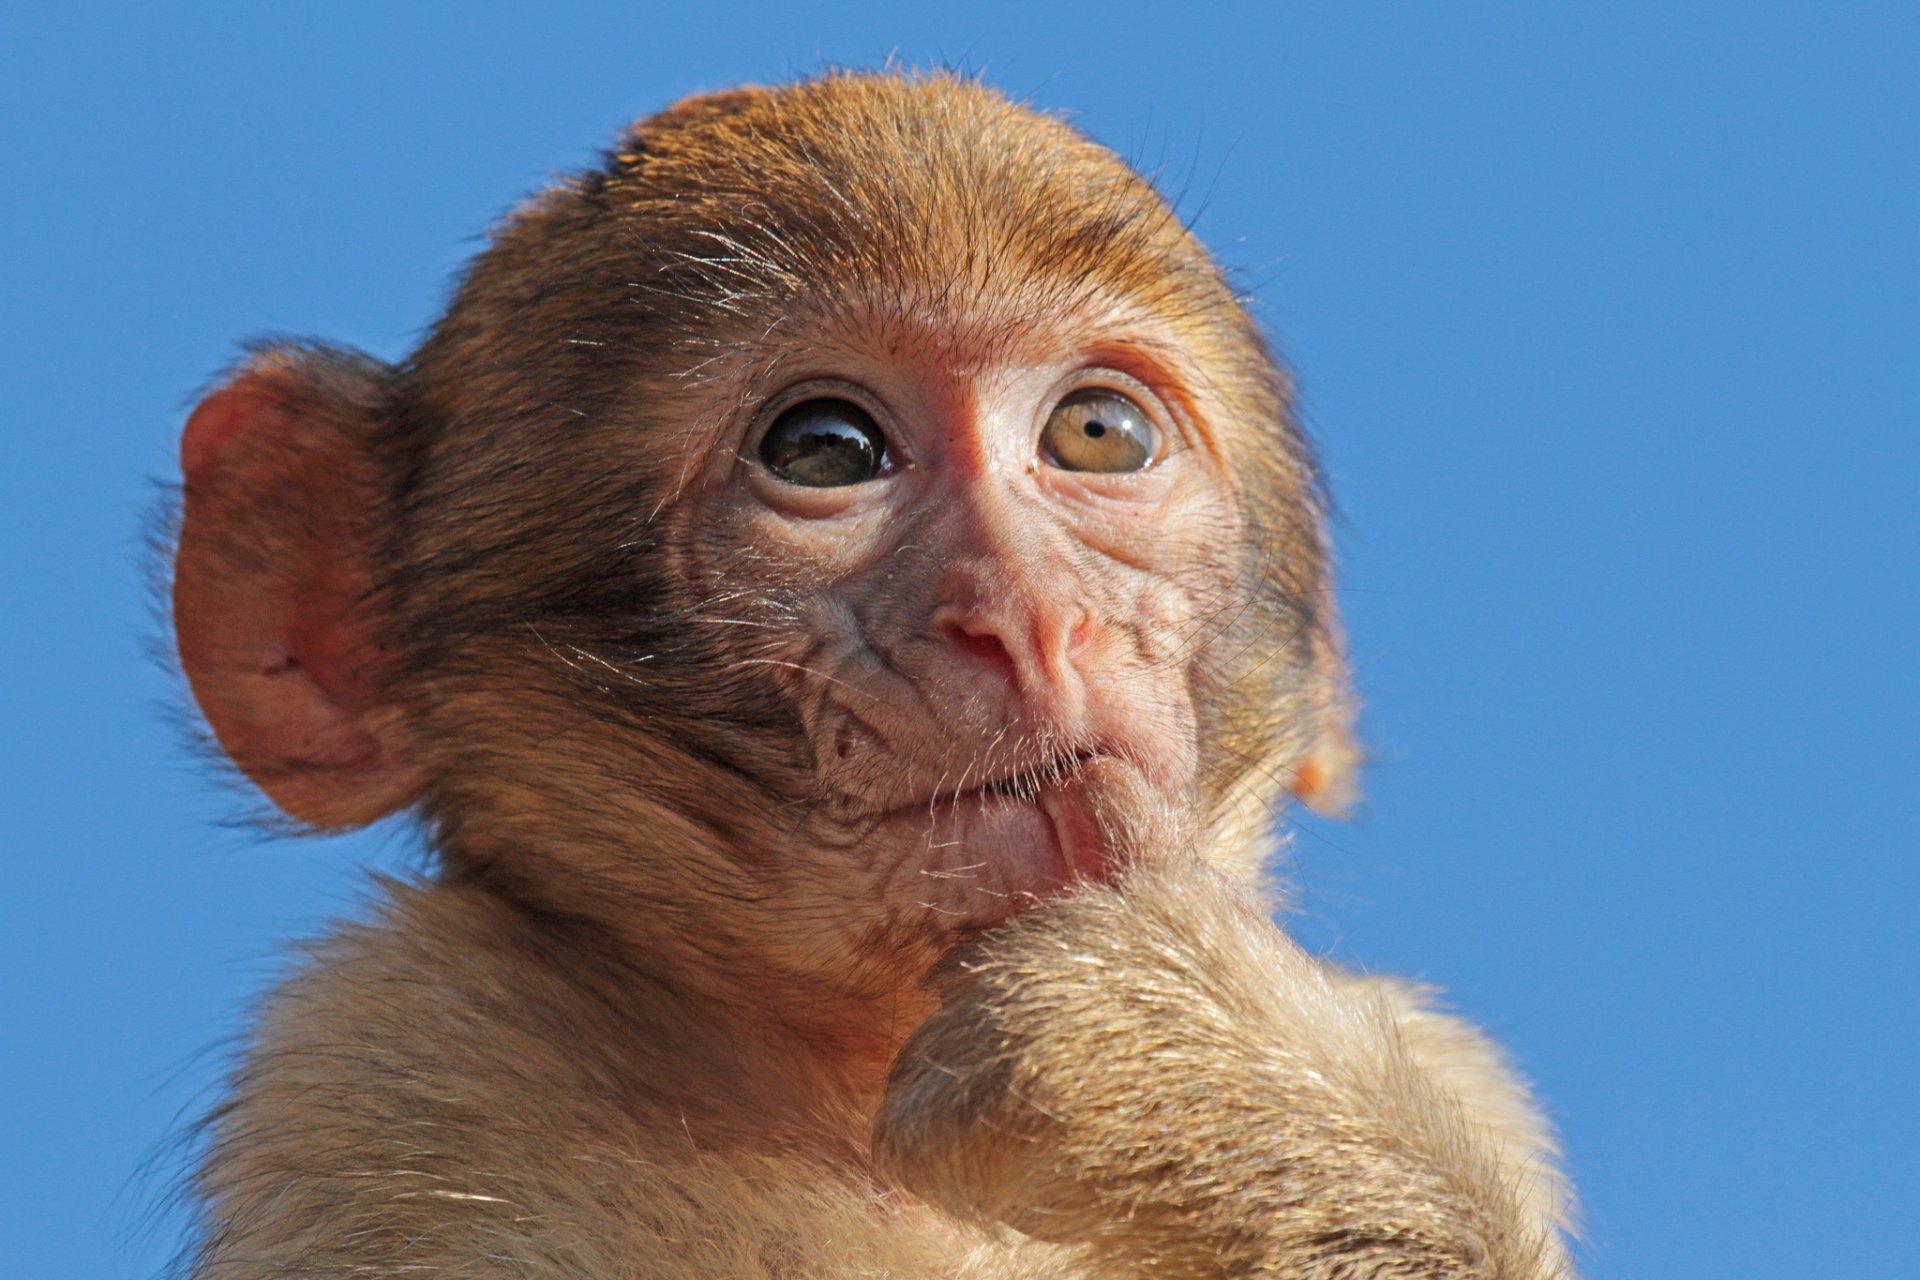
843,593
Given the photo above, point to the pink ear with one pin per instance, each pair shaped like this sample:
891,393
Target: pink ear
1326,776
278,608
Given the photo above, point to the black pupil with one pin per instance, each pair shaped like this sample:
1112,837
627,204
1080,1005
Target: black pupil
824,444
1095,430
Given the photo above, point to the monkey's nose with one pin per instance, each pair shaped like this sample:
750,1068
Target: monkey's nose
982,642
1035,646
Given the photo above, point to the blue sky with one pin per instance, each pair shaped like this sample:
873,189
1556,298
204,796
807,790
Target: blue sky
1606,316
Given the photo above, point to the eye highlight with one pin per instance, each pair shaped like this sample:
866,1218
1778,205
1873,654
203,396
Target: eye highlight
1095,429
824,444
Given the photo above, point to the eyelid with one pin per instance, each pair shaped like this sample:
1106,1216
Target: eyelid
822,388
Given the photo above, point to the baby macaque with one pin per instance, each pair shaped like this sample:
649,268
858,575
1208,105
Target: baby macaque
844,595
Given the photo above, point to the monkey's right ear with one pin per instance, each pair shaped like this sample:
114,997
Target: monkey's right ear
280,608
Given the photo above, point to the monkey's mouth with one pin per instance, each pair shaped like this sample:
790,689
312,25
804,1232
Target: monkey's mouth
1029,785
1036,822
1026,785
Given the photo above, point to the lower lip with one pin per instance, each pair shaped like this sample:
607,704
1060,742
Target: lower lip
1019,849
1023,840
1017,845
1084,853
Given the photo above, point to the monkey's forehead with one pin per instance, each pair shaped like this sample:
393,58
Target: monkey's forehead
928,188
899,216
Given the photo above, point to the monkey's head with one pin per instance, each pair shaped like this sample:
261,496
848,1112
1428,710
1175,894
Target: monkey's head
856,510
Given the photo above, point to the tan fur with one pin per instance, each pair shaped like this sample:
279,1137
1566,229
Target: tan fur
715,978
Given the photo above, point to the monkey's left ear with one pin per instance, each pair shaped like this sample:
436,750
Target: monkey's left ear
1326,777
280,609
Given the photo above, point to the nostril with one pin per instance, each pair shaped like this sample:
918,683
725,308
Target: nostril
982,644
1083,633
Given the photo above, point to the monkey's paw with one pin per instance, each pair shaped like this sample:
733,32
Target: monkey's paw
1153,1070
1083,1071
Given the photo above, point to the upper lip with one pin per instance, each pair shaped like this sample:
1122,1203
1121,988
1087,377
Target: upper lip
1026,784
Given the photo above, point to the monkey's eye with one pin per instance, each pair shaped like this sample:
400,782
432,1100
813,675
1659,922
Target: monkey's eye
1099,430
824,444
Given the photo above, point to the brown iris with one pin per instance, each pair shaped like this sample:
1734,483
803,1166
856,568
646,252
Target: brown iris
1099,430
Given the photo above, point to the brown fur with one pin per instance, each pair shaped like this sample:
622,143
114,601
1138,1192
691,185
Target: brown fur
694,991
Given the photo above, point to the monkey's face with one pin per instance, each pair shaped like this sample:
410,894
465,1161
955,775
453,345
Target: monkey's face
979,567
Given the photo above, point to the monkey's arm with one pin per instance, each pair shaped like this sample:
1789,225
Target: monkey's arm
1156,1071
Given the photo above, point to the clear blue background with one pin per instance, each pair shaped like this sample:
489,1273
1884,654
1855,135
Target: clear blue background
1607,317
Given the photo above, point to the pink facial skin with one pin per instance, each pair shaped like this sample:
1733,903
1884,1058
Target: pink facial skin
989,650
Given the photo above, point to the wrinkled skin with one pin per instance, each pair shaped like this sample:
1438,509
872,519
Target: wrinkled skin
976,639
